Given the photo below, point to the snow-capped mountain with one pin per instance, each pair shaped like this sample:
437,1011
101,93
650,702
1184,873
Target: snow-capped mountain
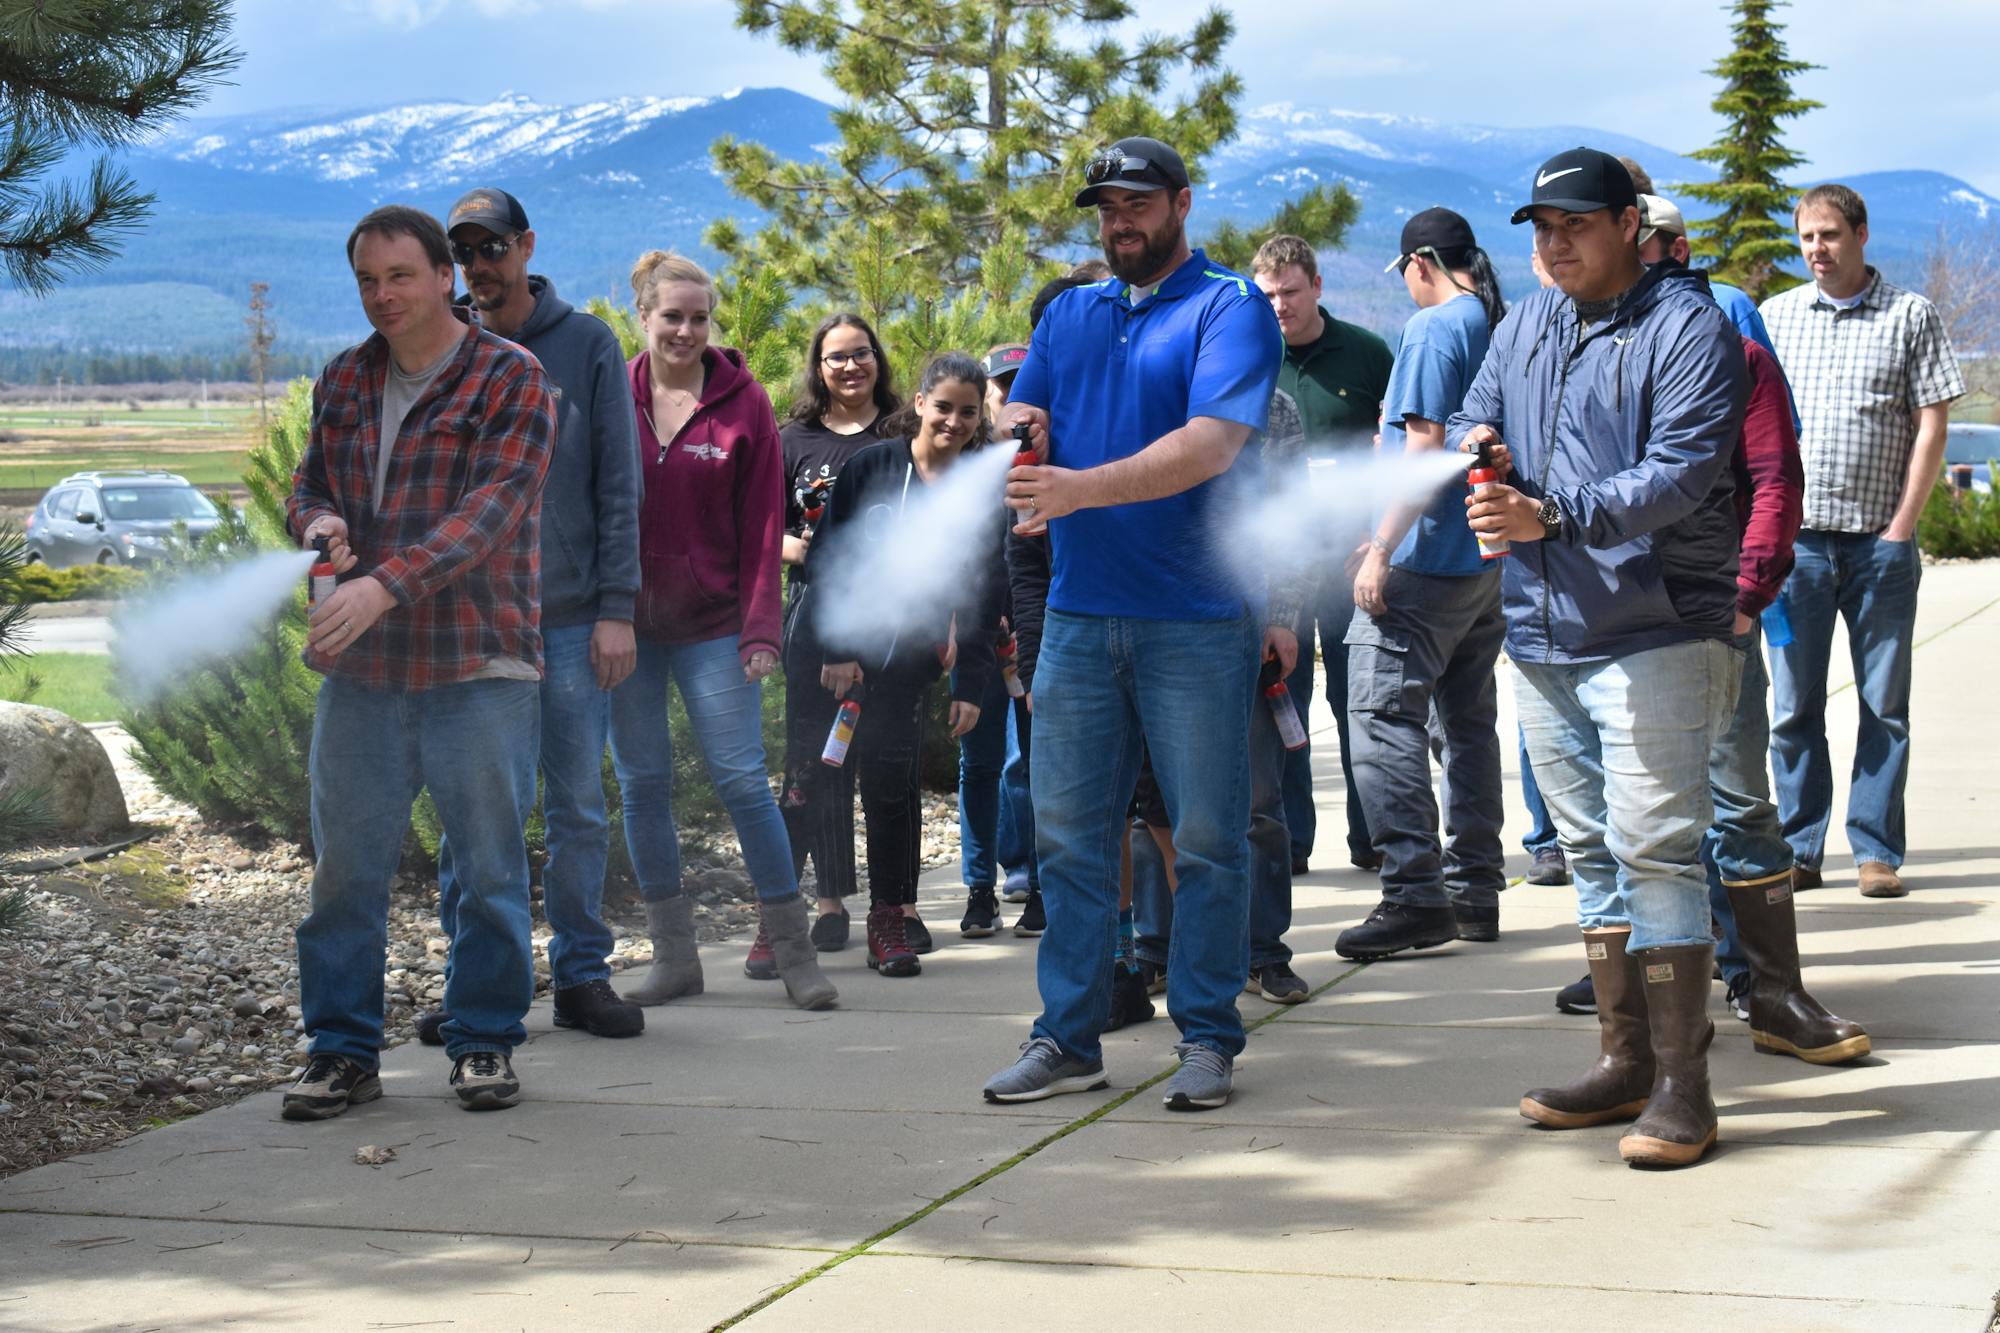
270,198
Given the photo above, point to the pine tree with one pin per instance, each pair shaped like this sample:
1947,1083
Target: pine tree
962,139
87,72
1752,235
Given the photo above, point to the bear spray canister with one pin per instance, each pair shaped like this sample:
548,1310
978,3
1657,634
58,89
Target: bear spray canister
322,579
842,734
1025,456
1480,478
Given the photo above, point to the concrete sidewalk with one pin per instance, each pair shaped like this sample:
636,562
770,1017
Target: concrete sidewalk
744,1161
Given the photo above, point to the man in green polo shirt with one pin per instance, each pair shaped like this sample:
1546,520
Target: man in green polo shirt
1337,373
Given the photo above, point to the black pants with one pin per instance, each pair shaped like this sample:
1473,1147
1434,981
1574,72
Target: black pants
886,757
818,802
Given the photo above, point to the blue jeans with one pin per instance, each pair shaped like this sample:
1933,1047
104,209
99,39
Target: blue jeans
473,745
1185,687
1622,750
575,716
982,759
726,712
1747,846
1872,585
1335,610
1017,798
1542,836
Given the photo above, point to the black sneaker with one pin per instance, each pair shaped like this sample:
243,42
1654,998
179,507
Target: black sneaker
1277,983
1737,997
982,913
918,935
1300,866
1155,977
1579,997
330,1085
829,934
1129,1003
1033,920
430,1027
596,1008
484,1081
1480,925
1393,927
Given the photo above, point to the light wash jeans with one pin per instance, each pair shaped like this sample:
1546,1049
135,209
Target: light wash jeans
1747,845
473,745
1621,749
726,712
1185,687
1872,585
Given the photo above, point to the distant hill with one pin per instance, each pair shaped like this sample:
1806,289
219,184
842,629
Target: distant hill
271,197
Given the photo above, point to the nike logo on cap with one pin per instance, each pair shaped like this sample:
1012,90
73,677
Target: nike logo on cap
1548,176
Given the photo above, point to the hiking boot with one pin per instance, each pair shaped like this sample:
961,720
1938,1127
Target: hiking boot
1615,1087
1394,927
829,932
1044,1071
759,965
1678,1125
1277,983
1579,997
982,913
793,953
484,1081
917,935
889,950
676,969
1201,1083
1477,925
1784,1018
1017,888
330,1085
1366,860
1549,867
596,1008
430,1027
1129,1002
1805,877
1880,880
1033,920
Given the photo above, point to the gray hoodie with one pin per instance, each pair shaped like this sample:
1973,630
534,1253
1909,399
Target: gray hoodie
590,507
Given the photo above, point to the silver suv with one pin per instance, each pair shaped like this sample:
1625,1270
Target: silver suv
115,518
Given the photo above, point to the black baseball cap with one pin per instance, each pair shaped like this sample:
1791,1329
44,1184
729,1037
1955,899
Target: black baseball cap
1436,230
1132,164
1004,360
1581,180
496,210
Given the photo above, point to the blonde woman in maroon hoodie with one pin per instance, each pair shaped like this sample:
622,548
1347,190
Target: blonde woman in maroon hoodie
711,526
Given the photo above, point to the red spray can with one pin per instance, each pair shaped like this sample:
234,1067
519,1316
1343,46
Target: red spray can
842,735
1010,671
1025,456
1278,697
1482,476
321,582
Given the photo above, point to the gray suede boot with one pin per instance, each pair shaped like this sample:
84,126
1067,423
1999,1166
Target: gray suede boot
798,960
676,969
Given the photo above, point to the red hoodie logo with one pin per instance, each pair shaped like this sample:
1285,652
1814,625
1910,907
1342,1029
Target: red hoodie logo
711,452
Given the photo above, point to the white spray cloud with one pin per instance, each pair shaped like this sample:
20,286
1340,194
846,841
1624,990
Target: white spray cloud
922,560
203,618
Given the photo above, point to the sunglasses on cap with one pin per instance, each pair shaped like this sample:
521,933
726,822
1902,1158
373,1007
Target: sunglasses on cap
1423,251
491,251
1115,164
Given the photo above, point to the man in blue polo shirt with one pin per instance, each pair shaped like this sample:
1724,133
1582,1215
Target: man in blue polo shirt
1165,373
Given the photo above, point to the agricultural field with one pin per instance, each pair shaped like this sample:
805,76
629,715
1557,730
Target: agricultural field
41,443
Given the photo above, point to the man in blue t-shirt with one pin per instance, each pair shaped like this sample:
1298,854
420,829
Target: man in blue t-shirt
1426,629
1166,371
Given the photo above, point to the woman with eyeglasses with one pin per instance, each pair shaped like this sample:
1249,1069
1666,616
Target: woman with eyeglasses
711,527
845,395
891,672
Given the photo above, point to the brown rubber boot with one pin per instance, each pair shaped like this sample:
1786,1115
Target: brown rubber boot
1784,1019
1678,1124
676,969
1615,1087
797,959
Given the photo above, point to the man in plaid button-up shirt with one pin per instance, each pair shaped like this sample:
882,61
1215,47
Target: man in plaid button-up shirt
430,443
1873,374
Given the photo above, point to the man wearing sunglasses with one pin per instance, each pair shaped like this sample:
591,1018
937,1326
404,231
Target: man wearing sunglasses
1140,392
590,576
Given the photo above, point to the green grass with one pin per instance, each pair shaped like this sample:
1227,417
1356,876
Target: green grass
218,467
75,683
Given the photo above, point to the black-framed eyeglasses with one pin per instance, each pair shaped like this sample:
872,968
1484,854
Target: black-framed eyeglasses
860,356
492,251
1118,163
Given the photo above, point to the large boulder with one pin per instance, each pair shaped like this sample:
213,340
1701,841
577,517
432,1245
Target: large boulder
42,748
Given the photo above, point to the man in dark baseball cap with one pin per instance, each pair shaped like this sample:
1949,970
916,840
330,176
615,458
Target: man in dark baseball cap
496,210
1137,163
1436,230
1581,180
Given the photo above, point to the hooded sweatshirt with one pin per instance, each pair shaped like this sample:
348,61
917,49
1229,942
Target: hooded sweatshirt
712,523
1629,425
590,507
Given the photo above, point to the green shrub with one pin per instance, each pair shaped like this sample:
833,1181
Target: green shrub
40,583
1962,523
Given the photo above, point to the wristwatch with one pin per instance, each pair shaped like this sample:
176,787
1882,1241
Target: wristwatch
1551,519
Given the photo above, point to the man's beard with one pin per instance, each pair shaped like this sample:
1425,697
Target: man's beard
1153,255
493,297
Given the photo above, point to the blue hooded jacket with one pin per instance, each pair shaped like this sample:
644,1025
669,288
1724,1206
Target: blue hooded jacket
1630,429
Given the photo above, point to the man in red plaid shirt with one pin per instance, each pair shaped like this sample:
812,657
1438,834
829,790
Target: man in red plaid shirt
430,442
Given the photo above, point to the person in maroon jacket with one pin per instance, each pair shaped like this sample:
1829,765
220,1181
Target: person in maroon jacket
710,530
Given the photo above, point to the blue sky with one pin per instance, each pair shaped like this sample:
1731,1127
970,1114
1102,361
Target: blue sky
1912,91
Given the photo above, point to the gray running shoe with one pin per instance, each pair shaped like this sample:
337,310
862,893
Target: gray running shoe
1202,1081
1043,1071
